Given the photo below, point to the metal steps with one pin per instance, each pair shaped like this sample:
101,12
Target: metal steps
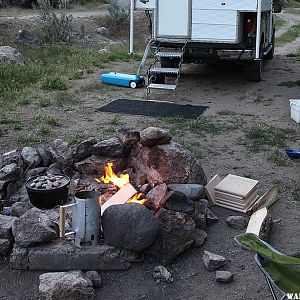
157,74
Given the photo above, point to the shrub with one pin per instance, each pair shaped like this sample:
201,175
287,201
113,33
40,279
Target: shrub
54,82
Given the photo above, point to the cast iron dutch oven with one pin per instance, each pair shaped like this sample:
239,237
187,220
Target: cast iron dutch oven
46,199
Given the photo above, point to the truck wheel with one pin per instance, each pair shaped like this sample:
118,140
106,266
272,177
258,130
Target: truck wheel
254,71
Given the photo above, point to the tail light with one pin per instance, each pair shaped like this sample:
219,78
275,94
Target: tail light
250,26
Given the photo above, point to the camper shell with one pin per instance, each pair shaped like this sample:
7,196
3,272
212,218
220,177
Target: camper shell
212,30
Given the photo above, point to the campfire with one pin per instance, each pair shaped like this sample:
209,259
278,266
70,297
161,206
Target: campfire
126,193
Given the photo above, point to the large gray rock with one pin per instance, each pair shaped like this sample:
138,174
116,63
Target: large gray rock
33,228
102,31
94,277
84,149
213,261
6,223
31,157
154,136
10,157
62,154
11,173
176,234
156,197
237,222
130,226
45,154
168,163
192,191
5,247
112,147
10,55
178,201
70,285
94,165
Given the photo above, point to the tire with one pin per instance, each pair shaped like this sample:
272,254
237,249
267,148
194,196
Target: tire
133,84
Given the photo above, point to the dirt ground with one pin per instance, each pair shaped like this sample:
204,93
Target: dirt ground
224,89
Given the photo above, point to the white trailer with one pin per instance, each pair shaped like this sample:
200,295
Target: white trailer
207,31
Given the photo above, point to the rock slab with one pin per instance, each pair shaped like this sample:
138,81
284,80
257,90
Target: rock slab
70,285
224,276
154,136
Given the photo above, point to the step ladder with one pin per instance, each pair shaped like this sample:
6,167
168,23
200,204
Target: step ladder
167,62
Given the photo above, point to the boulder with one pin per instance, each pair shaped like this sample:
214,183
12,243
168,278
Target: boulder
178,201
33,228
84,149
45,155
20,208
192,191
10,157
10,55
102,31
224,276
94,165
160,273
5,247
176,234
130,226
200,237
156,197
62,154
94,277
168,163
26,37
70,285
6,223
213,261
128,136
11,173
237,222
112,147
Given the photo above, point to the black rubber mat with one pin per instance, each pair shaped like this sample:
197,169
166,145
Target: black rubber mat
153,108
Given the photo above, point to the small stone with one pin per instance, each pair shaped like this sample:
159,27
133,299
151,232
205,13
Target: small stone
102,31
103,51
80,72
162,274
224,276
94,277
211,217
156,197
128,136
213,261
10,55
200,237
154,136
237,222
31,157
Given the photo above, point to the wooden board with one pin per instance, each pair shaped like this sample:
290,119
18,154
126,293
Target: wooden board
256,221
209,189
237,185
234,198
246,205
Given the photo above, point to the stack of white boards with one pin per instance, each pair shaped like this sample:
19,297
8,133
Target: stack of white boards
236,193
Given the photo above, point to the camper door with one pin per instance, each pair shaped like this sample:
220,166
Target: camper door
172,19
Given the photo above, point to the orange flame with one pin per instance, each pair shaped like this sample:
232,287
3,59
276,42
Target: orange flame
137,198
110,176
